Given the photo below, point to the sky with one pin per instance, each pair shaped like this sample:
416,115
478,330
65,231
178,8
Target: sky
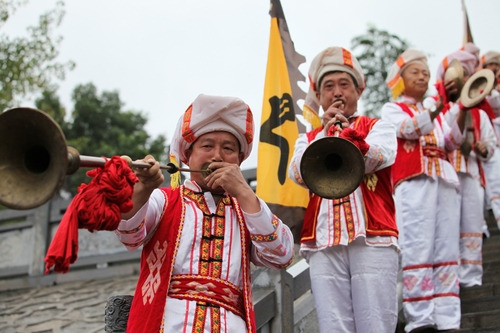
159,55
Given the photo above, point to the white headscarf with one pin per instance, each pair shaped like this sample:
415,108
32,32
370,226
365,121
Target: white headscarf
332,59
394,80
213,114
490,57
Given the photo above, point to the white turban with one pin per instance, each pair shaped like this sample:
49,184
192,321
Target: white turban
467,60
394,80
332,59
490,57
213,114
472,49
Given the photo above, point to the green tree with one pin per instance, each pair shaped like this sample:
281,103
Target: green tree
50,103
99,127
28,64
376,51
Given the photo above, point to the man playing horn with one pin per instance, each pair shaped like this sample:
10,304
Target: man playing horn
350,242
199,238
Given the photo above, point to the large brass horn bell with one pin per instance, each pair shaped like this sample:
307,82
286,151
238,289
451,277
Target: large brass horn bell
33,158
332,167
477,87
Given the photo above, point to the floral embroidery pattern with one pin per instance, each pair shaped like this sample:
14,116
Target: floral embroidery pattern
446,279
427,284
410,282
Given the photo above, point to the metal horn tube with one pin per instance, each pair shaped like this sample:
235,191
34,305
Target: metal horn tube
77,161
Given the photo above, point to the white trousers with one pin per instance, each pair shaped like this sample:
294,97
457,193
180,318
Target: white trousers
428,217
471,231
355,288
492,175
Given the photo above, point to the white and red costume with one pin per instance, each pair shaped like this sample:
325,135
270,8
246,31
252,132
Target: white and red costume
470,170
351,243
427,214
195,265
469,167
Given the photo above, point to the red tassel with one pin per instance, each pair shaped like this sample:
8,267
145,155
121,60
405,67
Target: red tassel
333,130
97,206
356,138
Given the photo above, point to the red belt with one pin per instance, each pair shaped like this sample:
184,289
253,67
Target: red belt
213,291
434,152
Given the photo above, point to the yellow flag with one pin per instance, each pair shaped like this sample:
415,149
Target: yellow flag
279,127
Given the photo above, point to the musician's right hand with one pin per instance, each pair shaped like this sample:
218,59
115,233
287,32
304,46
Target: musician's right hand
152,177
451,87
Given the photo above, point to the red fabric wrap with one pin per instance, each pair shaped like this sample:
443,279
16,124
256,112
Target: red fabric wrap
476,124
333,130
146,312
486,107
357,138
352,135
435,152
308,231
214,291
441,92
96,206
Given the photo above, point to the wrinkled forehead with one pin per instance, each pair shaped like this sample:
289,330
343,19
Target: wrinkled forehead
415,66
336,75
218,136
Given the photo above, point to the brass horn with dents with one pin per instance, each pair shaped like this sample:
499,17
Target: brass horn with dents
332,167
34,159
477,87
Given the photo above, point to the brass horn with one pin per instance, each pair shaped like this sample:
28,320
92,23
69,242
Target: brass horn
34,159
477,87
332,167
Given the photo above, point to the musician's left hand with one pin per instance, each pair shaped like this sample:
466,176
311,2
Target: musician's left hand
481,148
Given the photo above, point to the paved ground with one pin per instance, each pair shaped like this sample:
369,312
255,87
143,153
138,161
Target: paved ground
76,307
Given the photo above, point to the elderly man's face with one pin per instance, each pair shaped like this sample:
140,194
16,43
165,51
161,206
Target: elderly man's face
213,147
416,79
339,86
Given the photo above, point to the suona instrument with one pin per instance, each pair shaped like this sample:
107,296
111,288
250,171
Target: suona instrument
34,159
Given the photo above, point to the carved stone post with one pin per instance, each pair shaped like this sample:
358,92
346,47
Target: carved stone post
116,313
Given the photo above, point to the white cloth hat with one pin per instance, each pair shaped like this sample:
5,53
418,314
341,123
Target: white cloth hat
394,80
467,59
472,49
332,59
213,114
490,57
